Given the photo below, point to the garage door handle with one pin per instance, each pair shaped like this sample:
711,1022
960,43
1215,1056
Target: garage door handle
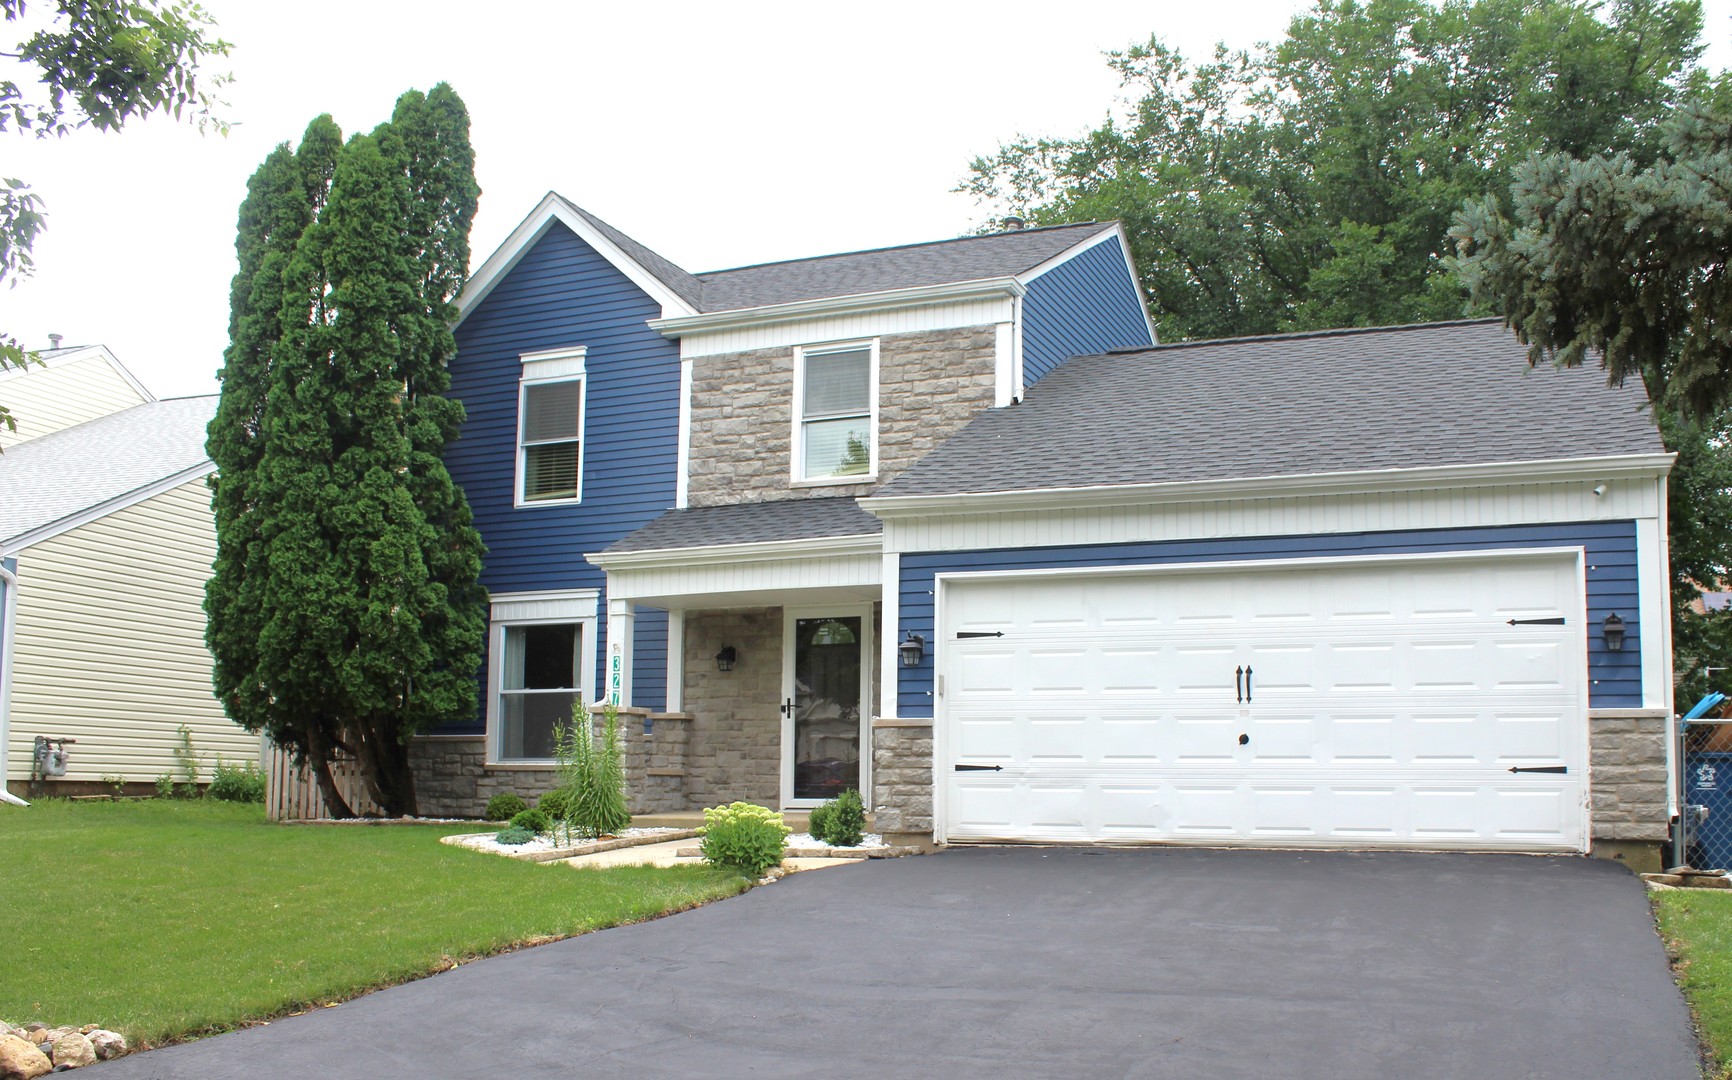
1540,768
979,768
1239,684
1247,684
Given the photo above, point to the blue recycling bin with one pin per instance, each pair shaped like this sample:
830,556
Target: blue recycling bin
1708,782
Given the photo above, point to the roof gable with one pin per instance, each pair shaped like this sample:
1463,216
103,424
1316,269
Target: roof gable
1299,405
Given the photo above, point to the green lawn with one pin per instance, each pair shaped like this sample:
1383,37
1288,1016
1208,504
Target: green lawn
166,920
1697,926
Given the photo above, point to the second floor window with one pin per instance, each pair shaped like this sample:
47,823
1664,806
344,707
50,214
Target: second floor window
550,440
835,419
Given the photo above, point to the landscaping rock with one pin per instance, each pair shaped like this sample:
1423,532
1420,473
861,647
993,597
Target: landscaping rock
21,1060
40,1035
88,1028
107,1043
74,1050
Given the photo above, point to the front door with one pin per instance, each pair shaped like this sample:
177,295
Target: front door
826,671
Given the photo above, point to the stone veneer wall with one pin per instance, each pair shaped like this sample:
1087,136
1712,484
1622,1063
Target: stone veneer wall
735,751
1627,749
902,776
453,779
929,385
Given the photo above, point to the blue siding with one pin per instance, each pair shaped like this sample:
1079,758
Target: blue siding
649,669
562,294
1615,678
1087,305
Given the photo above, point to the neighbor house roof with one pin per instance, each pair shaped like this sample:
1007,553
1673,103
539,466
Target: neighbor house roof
854,273
100,463
751,523
1439,394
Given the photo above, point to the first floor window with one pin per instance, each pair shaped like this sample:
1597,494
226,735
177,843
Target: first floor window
538,686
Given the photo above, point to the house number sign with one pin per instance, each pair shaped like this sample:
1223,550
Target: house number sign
615,667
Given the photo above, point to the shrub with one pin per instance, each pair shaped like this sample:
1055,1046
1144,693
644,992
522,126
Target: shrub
533,820
513,834
591,777
243,783
743,837
165,786
505,806
554,804
818,822
847,820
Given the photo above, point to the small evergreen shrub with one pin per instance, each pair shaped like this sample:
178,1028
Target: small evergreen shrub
743,837
847,820
243,783
505,806
534,820
513,834
818,822
554,804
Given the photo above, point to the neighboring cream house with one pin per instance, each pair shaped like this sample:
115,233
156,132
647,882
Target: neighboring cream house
106,540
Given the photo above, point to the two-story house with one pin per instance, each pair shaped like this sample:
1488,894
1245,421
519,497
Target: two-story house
942,522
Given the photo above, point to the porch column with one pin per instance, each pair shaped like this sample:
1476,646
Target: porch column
676,660
621,621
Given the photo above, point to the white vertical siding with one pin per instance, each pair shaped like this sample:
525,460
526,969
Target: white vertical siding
45,399
109,645
909,320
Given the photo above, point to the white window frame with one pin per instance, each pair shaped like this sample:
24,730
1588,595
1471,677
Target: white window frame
542,369
579,606
797,440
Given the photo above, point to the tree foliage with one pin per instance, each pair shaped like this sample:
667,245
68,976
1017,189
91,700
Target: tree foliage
94,63
1310,183
345,607
1607,259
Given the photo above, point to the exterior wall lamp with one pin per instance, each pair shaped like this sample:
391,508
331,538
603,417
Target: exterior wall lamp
913,648
1612,630
725,659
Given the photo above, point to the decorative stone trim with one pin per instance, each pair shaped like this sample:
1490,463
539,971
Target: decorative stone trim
1627,774
898,722
902,778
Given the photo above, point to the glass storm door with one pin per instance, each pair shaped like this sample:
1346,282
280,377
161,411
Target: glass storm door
823,705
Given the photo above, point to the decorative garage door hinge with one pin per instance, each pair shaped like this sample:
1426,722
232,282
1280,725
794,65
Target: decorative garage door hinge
980,768
1556,620
1540,768
979,633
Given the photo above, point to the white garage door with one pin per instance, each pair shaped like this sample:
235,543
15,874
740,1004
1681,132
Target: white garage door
1429,704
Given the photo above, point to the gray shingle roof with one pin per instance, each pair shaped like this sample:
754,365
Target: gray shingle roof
1389,398
83,467
942,262
939,262
750,523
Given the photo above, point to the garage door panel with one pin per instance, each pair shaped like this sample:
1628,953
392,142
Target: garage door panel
1389,704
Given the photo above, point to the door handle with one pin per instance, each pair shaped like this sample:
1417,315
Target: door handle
1247,684
787,708
1239,684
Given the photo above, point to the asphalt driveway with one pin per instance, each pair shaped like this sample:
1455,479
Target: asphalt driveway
1047,963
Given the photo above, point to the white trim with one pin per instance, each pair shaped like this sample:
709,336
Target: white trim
1663,560
8,633
537,371
941,727
676,677
103,509
1652,613
683,463
621,651
553,208
822,547
531,609
796,409
82,353
890,678
1069,253
790,619
677,326
1019,380
1004,364
1530,472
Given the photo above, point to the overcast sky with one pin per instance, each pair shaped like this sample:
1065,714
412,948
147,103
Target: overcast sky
719,134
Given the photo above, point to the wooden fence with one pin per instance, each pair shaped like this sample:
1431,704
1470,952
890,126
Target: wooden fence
291,794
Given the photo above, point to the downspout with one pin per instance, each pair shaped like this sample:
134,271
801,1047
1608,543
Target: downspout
8,609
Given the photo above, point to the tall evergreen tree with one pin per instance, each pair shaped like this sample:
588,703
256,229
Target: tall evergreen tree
346,611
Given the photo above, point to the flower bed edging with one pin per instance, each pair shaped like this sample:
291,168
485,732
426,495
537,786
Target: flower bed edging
588,847
825,852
